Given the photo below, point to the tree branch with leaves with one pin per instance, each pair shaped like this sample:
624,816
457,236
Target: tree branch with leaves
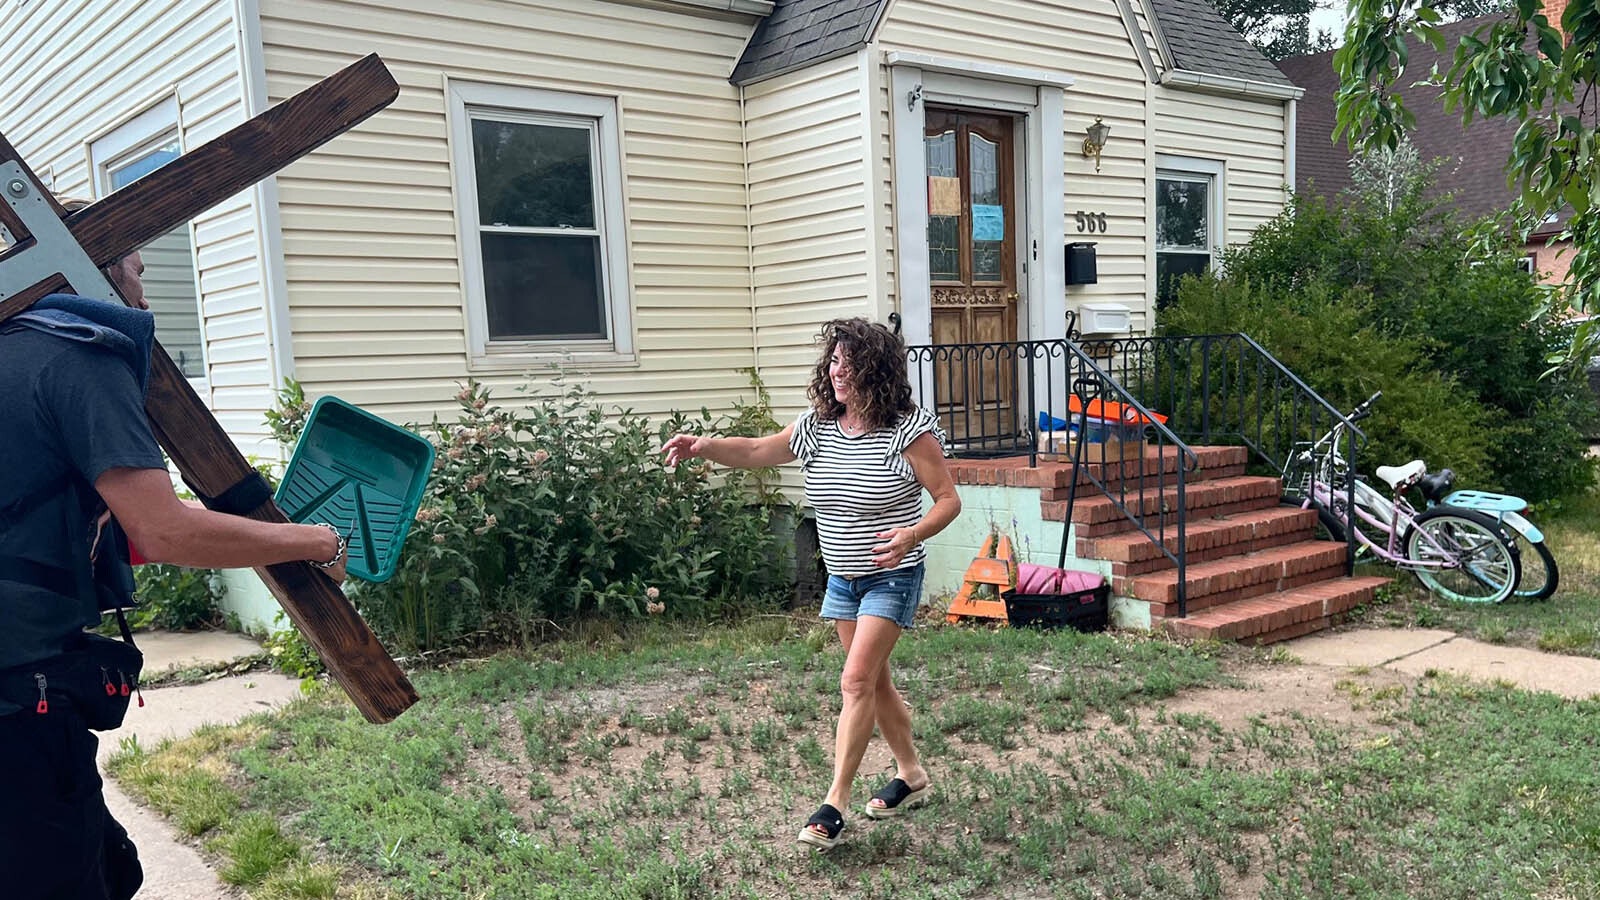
1521,67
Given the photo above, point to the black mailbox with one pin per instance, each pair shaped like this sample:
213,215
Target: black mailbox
1080,263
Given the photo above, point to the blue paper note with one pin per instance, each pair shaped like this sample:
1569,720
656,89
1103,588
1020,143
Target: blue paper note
988,223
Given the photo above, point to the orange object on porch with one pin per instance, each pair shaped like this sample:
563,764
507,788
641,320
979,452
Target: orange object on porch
1112,411
993,566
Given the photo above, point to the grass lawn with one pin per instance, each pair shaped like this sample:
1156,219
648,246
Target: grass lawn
665,763
678,765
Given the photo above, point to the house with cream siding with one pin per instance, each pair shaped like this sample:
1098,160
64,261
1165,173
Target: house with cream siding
655,195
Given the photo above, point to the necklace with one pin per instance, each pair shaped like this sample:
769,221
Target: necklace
851,430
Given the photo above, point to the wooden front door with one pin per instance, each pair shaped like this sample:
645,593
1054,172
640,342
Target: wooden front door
972,252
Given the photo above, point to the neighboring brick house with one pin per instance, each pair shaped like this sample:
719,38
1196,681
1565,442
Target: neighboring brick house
1473,157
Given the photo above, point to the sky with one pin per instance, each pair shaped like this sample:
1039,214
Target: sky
1329,19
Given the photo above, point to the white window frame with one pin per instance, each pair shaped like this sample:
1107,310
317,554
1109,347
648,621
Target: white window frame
535,105
1192,168
158,124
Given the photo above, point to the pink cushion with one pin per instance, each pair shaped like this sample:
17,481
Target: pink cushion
1032,579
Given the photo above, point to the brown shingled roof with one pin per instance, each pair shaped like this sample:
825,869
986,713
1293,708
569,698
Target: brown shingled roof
798,33
1202,41
1474,157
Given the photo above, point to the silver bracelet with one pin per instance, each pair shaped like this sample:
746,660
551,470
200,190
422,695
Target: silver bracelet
338,555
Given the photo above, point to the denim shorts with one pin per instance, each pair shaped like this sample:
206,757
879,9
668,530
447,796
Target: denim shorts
891,595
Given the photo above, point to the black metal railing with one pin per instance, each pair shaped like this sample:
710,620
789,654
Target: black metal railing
1026,397
1227,389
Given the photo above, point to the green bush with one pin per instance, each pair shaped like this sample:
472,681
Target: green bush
1355,298
174,597
290,652
554,510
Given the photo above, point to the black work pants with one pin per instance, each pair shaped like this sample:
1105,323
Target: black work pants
57,840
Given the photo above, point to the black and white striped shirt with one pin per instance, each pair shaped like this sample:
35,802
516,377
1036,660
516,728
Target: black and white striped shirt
860,486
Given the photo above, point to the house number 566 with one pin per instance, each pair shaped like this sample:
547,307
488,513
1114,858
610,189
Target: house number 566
1090,221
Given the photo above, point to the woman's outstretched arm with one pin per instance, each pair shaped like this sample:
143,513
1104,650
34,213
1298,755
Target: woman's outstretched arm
734,452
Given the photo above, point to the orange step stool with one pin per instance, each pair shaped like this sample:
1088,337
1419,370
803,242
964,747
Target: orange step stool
994,566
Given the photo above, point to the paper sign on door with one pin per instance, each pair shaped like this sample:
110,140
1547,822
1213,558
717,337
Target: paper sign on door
988,223
944,196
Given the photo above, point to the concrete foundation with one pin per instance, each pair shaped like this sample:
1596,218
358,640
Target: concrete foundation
1015,512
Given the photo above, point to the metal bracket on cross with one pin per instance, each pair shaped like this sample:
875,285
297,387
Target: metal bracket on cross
51,251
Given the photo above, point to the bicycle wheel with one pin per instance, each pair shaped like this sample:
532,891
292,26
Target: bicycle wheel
1539,573
1479,561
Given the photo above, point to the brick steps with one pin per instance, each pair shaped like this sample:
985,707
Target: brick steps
1097,515
1236,577
1132,553
1052,478
1279,616
1203,534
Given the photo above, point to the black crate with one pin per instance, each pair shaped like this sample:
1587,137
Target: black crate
1083,610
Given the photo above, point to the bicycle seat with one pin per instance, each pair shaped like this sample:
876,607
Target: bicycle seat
1436,485
1401,477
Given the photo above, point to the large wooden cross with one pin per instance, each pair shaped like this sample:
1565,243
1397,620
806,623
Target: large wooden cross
52,251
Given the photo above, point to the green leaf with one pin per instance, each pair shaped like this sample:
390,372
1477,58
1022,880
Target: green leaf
1550,44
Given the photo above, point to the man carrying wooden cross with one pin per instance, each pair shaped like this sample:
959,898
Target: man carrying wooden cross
85,396
74,378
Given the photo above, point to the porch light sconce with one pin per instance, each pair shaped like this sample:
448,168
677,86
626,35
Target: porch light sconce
1095,140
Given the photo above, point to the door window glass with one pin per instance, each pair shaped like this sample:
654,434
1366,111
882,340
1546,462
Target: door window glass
988,213
944,207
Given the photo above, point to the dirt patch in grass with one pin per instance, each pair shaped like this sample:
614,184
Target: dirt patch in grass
653,695
647,763
1310,691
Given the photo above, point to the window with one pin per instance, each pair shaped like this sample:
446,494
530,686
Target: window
1188,222
539,202
133,150
1529,263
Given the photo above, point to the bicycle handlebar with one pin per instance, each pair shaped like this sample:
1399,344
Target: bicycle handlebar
1365,409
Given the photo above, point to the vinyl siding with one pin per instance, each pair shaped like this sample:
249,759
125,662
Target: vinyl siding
75,70
1246,135
375,283
1087,40
1141,15
811,230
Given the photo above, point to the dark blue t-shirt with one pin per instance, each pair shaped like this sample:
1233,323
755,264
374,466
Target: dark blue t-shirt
67,409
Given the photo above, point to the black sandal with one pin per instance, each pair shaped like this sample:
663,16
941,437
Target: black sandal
897,796
831,822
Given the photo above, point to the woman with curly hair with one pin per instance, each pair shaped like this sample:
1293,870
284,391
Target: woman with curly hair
867,452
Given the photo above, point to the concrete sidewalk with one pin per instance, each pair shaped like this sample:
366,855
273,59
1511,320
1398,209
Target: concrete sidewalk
1418,651
172,868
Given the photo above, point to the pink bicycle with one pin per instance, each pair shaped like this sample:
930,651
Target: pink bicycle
1458,552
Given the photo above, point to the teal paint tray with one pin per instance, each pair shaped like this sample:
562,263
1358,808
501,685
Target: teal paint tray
364,476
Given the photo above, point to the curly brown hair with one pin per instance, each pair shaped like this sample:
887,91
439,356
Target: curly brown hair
877,359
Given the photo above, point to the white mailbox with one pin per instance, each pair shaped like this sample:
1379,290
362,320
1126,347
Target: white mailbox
1103,318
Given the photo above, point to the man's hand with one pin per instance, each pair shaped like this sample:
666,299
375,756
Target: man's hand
337,570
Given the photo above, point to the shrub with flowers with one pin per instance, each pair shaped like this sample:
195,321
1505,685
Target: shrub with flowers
551,510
